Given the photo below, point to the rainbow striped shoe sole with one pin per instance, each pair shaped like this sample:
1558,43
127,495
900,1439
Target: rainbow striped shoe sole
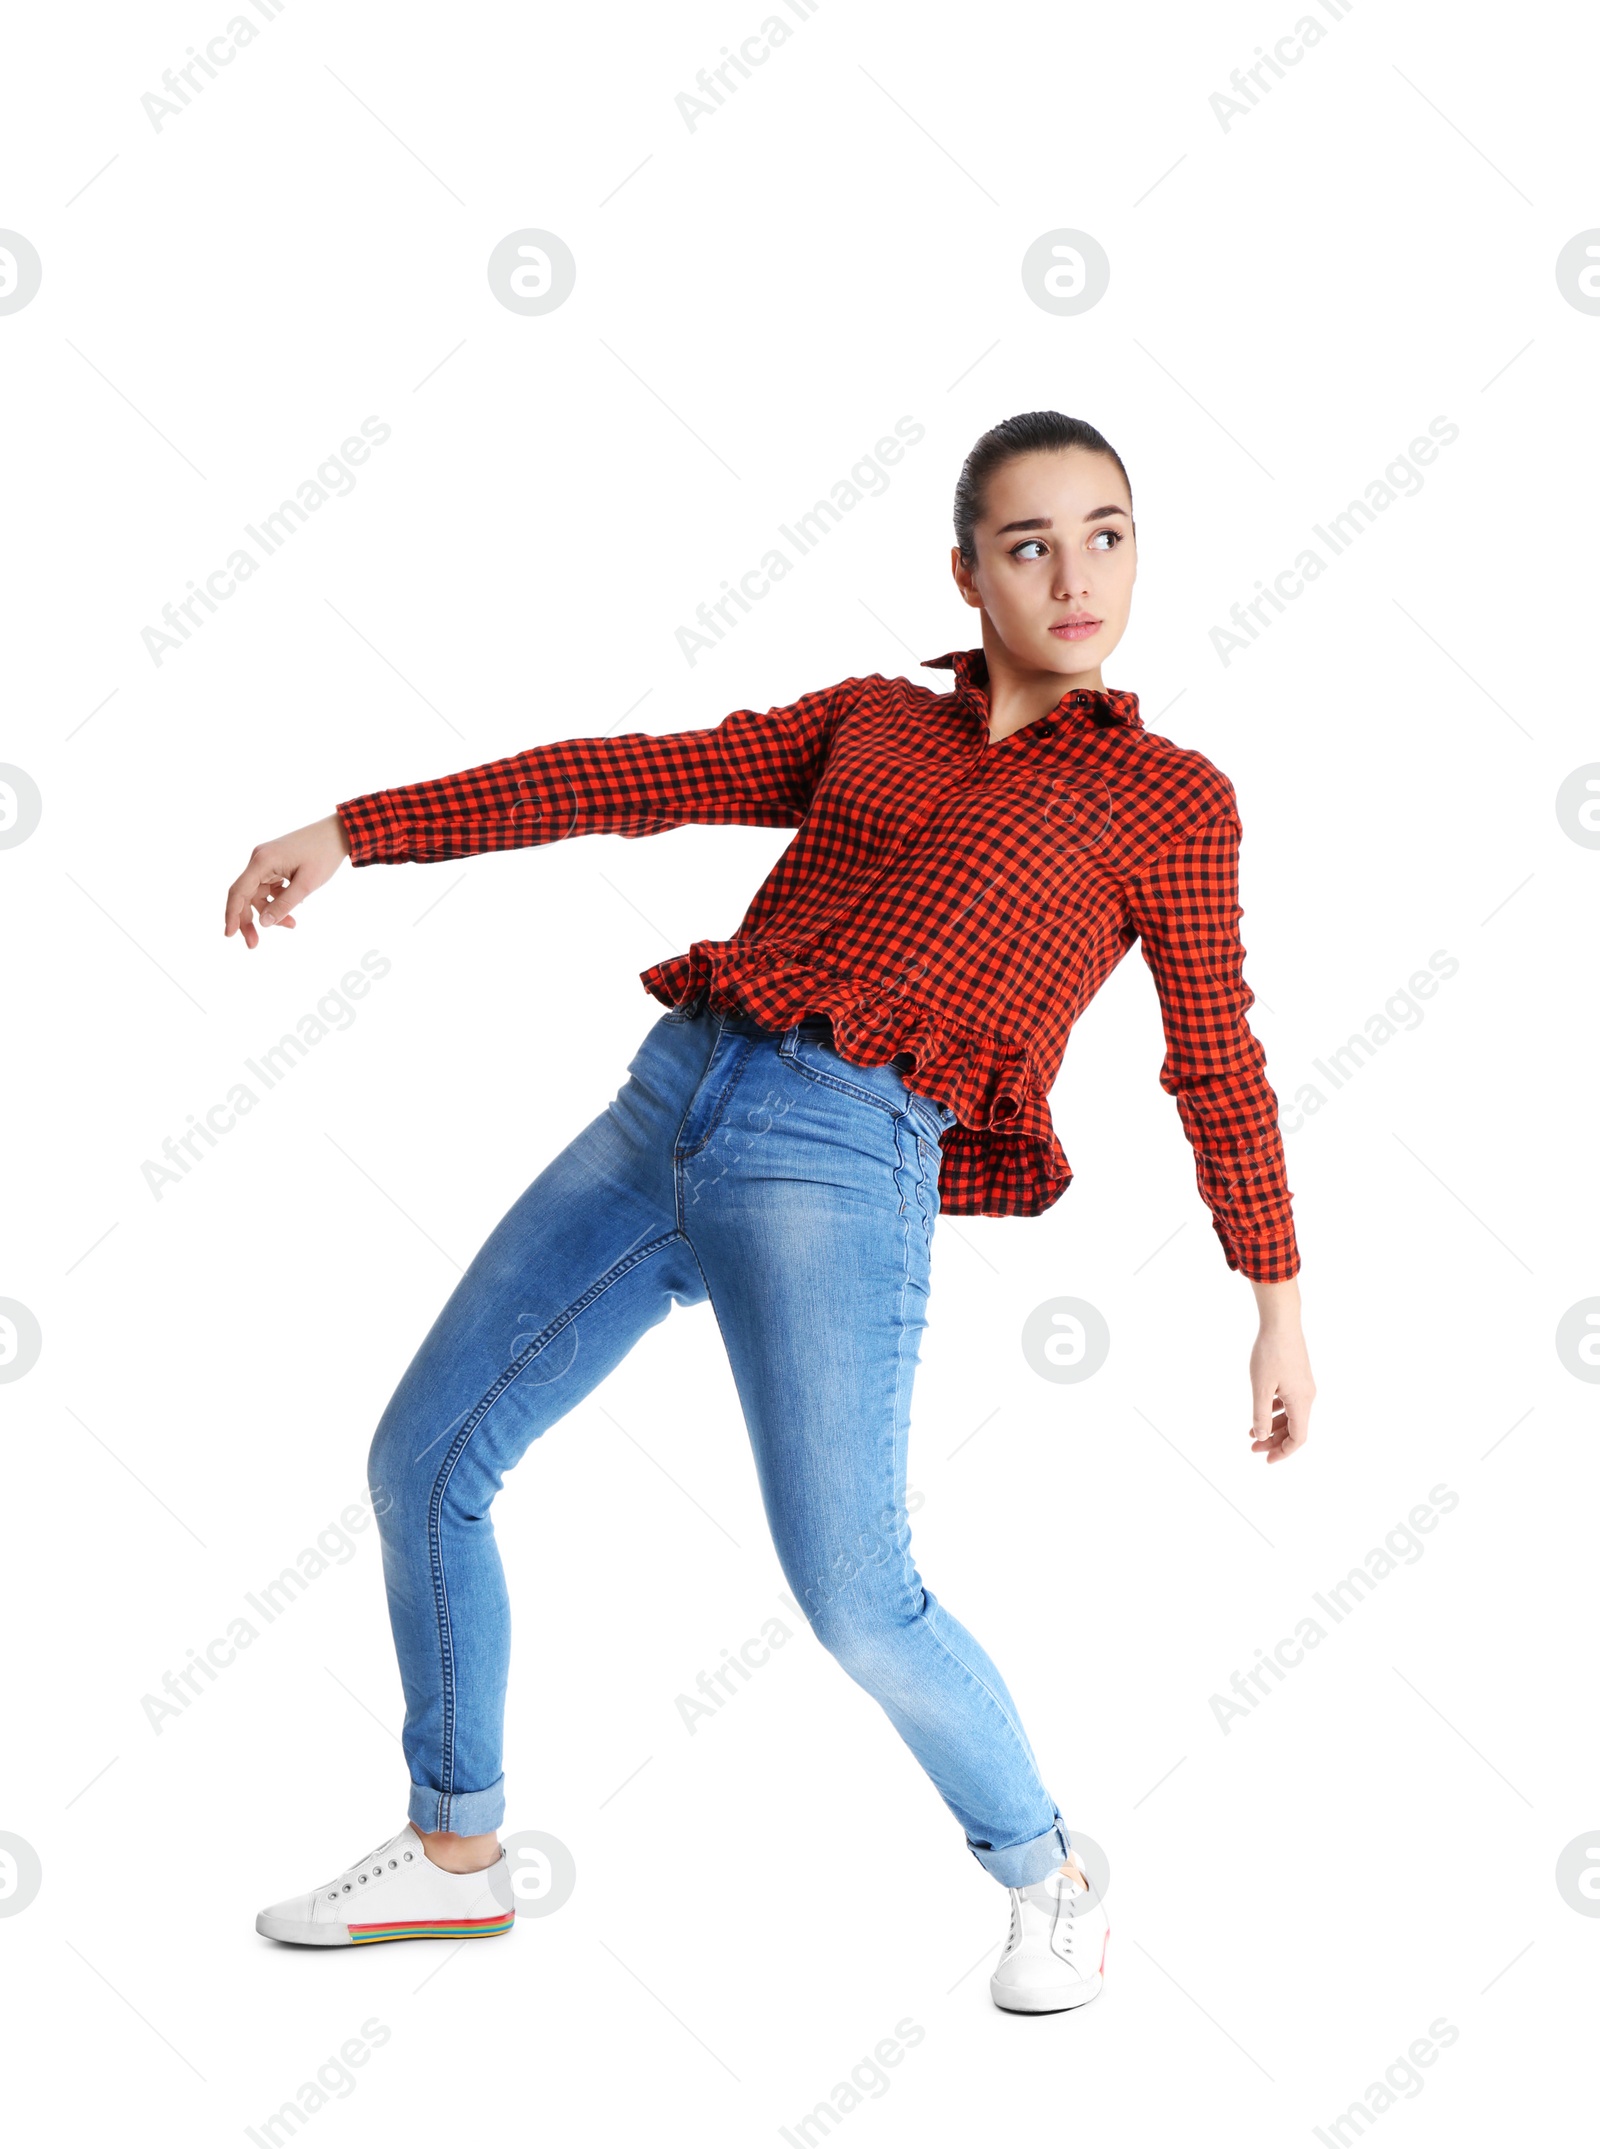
434,1929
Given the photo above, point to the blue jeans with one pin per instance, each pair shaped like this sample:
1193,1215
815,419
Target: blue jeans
798,1193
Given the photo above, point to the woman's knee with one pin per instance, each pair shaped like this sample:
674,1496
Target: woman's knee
400,1470
866,1631
421,1477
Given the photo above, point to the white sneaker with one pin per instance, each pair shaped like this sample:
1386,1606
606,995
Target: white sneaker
396,1893
1055,1955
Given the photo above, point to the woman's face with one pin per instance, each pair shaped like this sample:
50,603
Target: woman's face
1056,562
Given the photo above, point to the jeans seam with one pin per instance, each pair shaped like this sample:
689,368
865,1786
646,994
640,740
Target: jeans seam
1023,1747
475,1418
921,1613
927,1157
681,1155
899,1373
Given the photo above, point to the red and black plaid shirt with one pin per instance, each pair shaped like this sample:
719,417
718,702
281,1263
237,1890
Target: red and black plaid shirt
949,898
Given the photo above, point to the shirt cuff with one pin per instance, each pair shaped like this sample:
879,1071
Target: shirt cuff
1271,1259
376,832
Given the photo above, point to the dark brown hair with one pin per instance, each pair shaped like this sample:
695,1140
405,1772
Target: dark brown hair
1003,443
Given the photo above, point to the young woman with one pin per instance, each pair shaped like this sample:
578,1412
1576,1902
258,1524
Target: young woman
876,1041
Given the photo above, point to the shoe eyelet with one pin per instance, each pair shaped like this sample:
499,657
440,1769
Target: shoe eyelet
408,1857
347,1888
391,1865
362,1878
333,1895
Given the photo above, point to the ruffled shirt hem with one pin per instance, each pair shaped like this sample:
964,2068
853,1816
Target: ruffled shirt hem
1002,1158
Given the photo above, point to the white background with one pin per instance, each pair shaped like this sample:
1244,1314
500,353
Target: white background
1292,300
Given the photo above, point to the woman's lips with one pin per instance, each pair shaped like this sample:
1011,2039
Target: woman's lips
1075,630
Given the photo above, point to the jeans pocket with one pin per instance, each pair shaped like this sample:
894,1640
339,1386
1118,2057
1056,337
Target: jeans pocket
820,1064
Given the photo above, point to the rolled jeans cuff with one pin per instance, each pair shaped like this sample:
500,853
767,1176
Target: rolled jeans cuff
1021,1864
458,1813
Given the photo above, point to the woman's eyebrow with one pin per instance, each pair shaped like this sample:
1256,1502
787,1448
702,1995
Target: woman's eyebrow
1043,522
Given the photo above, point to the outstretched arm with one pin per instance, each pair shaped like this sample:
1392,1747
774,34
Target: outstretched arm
755,769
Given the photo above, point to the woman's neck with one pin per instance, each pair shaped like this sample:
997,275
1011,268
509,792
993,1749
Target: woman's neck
1019,695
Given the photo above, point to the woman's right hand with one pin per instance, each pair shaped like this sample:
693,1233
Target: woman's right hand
281,873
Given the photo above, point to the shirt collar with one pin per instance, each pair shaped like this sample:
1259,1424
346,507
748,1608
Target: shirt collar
1105,705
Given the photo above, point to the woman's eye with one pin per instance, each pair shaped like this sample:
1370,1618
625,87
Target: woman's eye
1035,548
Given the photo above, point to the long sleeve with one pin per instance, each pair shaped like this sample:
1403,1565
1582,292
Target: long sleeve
753,769
1185,907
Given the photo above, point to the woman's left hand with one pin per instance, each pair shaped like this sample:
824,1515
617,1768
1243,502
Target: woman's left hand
1281,1386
